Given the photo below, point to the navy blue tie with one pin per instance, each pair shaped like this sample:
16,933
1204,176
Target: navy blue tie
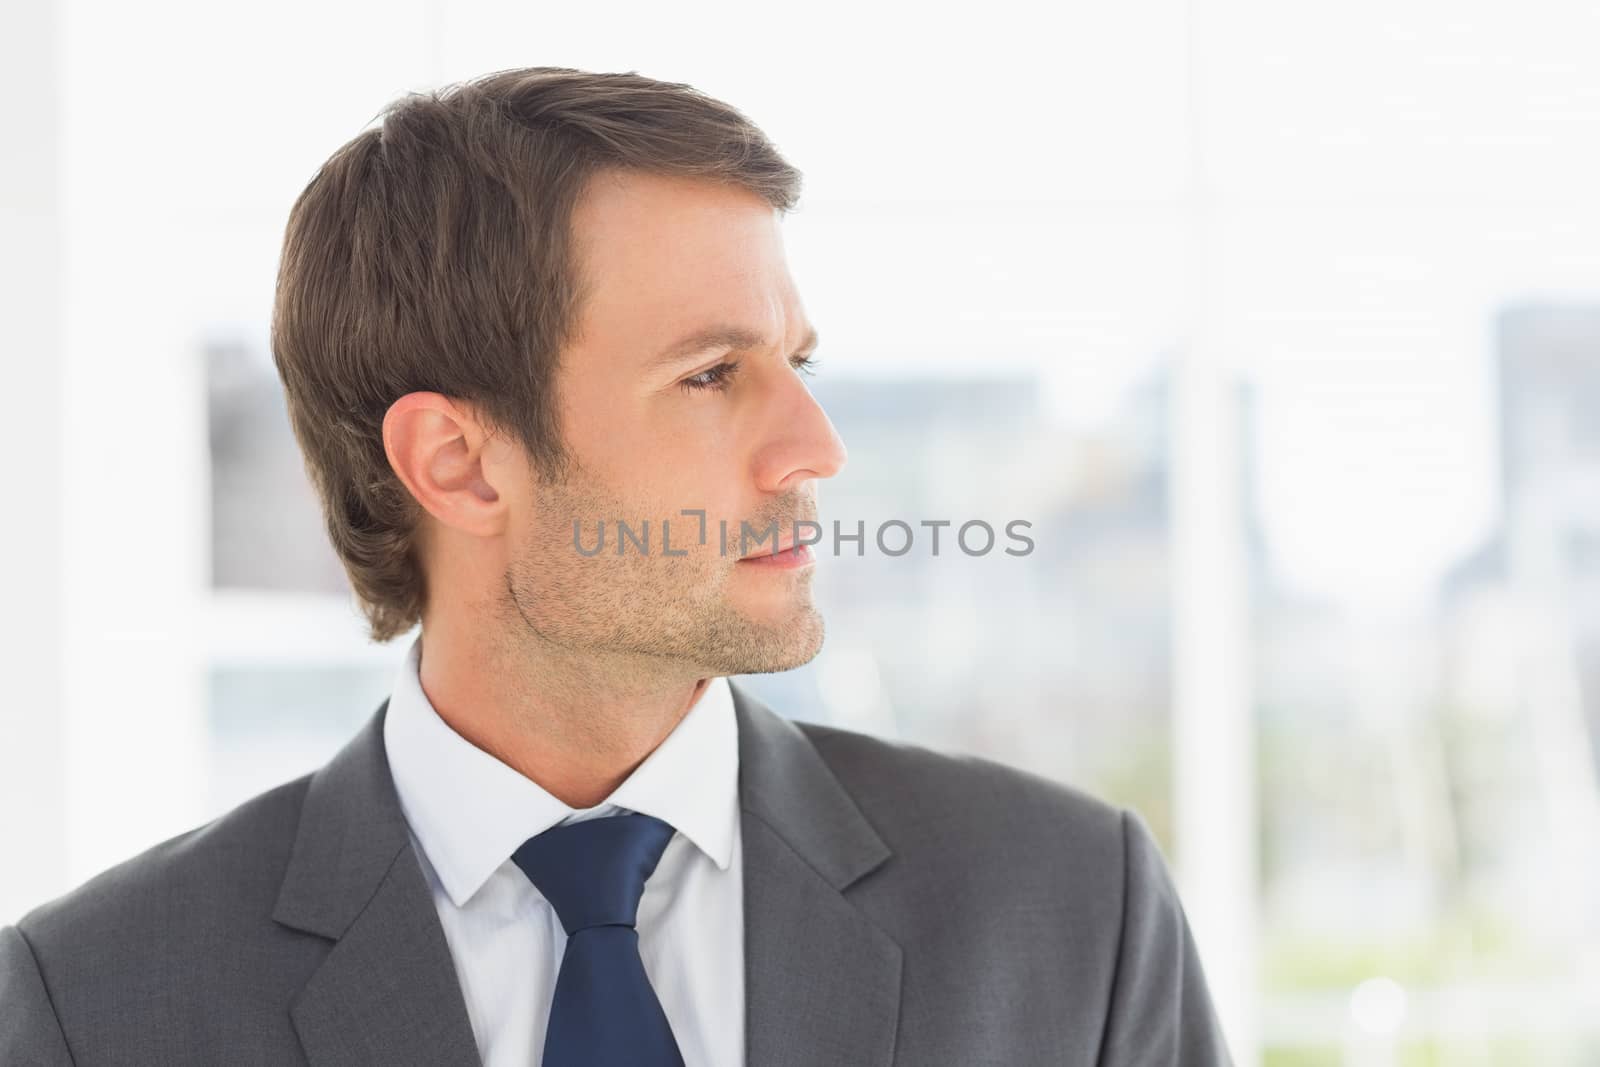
604,1012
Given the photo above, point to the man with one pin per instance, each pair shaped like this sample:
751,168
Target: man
535,305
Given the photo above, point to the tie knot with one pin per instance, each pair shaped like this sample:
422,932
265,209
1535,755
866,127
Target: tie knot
593,872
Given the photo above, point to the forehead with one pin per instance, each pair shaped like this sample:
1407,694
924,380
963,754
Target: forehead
664,256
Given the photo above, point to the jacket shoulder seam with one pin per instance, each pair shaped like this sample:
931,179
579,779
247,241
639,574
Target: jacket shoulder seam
1122,938
49,997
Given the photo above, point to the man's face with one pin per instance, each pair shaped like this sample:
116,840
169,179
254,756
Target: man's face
668,259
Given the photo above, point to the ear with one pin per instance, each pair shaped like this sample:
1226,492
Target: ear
450,462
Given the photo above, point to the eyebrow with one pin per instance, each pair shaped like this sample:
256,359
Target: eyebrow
734,338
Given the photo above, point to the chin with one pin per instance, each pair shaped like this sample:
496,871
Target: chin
771,650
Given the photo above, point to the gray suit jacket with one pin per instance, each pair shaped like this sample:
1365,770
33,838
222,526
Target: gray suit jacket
902,906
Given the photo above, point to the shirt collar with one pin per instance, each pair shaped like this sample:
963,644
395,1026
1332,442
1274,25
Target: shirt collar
470,812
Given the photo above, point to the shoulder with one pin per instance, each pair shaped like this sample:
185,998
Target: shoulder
904,785
168,955
998,871
976,826
226,869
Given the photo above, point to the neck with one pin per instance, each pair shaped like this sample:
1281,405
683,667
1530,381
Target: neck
576,726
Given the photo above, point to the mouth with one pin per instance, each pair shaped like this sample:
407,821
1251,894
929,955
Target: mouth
785,554
785,544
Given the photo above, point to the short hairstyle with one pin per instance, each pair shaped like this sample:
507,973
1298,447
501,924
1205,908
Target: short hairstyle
435,253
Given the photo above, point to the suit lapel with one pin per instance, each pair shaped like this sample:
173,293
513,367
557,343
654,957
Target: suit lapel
822,981
387,992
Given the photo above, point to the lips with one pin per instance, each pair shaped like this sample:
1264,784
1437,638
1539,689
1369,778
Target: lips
784,544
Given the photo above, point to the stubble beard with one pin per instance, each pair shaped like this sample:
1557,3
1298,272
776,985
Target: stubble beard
646,607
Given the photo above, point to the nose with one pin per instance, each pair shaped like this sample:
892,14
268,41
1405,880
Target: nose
804,446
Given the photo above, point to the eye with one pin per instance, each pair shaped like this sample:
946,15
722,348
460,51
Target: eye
716,378
719,377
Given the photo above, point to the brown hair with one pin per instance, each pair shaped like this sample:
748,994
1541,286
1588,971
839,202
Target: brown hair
433,253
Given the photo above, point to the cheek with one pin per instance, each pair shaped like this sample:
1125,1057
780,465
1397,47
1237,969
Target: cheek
690,454
693,497
664,452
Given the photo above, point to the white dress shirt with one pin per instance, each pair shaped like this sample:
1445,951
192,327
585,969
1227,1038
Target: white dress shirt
468,812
